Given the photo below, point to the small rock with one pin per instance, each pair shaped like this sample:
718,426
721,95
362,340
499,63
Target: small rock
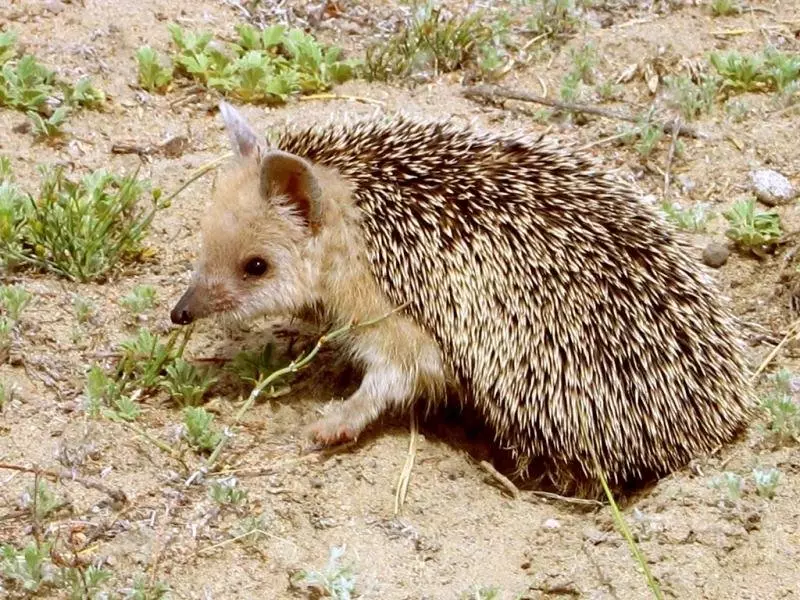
551,524
715,255
54,6
772,188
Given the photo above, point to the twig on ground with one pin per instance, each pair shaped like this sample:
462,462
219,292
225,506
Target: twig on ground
567,499
497,94
115,494
504,481
791,333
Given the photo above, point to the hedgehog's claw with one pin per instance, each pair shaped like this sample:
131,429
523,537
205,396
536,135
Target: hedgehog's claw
333,430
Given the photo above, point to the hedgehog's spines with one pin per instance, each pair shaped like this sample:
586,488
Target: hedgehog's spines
574,300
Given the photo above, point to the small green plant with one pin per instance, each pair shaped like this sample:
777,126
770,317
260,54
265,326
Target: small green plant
771,70
199,429
265,66
50,127
737,110
644,137
84,94
144,359
42,500
692,99
144,589
185,383
724,8
226,493
336,581
434,42
140,299
29,86
481,593
14,300
77,229
29,568
694,218
753,230
730,485
251,365
153,75
83,308
766,481
555,17
782,410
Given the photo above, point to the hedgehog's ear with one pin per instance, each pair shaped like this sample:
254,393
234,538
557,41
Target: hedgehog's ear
244,140
287,175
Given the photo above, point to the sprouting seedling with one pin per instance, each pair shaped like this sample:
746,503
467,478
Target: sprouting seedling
185,383
694,218
41,499
153,75
83,308
14,300
49,127
335,580
84,94
753,230
252,365
226,492
140,299
199,429
766,481
730,484
30,567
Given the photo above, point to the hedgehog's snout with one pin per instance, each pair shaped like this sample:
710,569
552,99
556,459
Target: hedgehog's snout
181,313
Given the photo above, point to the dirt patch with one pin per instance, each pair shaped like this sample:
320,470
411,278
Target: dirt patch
458,529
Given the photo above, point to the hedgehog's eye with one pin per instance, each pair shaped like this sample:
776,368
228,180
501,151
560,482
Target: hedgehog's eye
255,266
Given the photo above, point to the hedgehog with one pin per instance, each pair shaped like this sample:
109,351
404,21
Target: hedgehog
559,305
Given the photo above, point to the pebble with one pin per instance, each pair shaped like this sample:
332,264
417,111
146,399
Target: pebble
772,188
551,524
715,255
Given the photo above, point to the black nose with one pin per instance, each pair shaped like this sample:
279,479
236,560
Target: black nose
181,316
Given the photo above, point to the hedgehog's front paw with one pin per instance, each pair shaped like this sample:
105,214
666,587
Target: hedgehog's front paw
333,429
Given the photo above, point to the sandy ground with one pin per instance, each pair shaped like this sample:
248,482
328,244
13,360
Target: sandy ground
458,529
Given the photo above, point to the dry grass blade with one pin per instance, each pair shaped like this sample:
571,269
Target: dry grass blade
405,474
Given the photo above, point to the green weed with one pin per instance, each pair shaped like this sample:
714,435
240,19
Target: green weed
42,501
79,229
753,230
335,580
29,86
692,99
724,8
185,383
771,70
144,589
199,429
83,309
265,66
50,127
766,481
554,17
226,493
730,485
644,137
252,366
29,568
481,593
693,218
140,299
782,410
153,76
14,300
434,42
